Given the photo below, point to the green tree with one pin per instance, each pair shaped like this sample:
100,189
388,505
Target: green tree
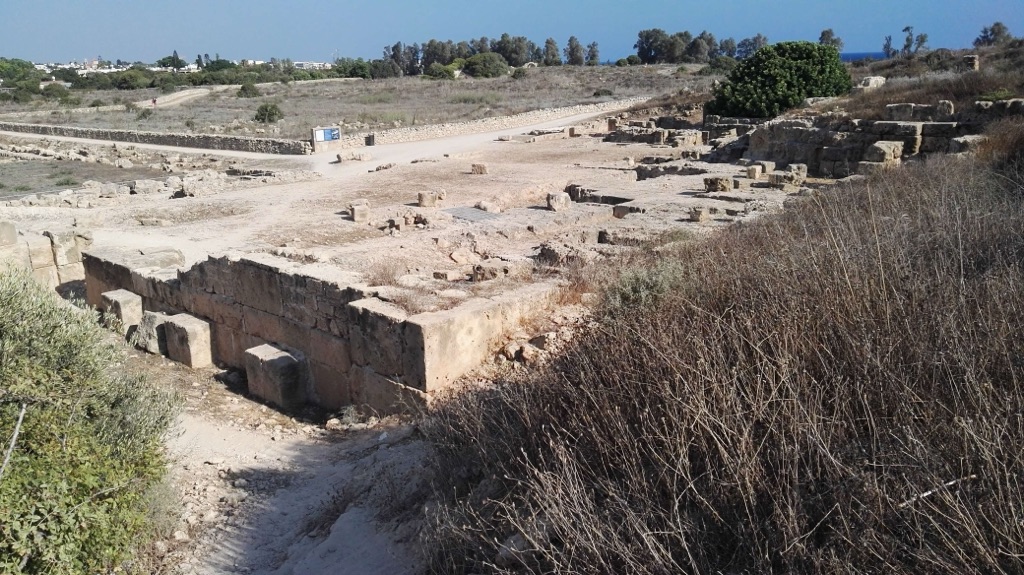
829,38
551,53
993,35
779,77
172,61
728,47
650,45
593,54
486,65
574,54
908,42
749,46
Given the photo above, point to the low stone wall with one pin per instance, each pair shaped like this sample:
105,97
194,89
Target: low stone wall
357,348
204,141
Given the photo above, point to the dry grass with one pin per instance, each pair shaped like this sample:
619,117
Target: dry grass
371,105
963,89
843,397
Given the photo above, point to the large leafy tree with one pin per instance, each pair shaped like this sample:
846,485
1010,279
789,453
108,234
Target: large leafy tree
650,45
779,77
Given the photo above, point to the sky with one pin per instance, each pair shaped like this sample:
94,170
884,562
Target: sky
320,30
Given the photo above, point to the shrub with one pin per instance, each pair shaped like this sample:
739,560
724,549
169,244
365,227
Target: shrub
97,103
440,72
601,92
486,65
719,66
66,181
144,114
249,90
622,62
779,77
268,113
520,73
73,496
771,415
633,60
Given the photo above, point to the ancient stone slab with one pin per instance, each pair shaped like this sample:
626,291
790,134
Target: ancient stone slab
65,248
329,350
70,273
330,387
189,341
559,201
479,169
471,214
360,214
376,335
899,112
8,234
40,251
621,212
276,375
717,184
754,172
17,255
427,199
47,276
699,215
151,335
883,151
965,144
125,307
384,395
766,166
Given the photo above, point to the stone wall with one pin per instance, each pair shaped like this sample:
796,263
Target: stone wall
53,257
204,141
358,348
835,145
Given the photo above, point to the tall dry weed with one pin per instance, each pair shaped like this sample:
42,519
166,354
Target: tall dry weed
835,389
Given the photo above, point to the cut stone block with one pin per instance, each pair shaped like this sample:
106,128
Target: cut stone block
125,307
620,212
16,254
883,152
47,276
479,169
717,184
188,340
766,166
754,172
427,199
70,273
360,213
8,234
559,202
40,251
699,215
151,335
65,248
276,375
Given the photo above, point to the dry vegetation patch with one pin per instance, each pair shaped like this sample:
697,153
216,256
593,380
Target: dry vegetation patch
832,389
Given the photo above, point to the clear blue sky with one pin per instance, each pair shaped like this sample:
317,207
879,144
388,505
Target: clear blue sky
64,30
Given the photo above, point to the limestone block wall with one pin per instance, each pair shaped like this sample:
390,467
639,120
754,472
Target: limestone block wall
205,141
53,257
835,145
358,349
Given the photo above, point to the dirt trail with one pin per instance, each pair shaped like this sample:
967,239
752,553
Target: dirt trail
180,97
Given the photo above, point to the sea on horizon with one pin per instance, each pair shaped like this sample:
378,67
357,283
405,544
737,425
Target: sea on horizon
854,56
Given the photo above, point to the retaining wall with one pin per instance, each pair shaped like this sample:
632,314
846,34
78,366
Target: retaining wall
53,257
204,141
359,348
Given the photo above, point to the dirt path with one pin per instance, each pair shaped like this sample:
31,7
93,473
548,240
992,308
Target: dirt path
183,96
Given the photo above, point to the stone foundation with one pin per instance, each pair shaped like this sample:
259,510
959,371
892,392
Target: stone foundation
355,347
